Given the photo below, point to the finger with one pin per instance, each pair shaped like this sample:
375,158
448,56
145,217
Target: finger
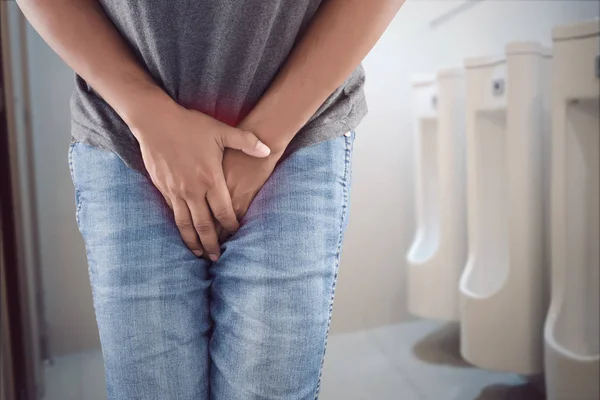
245,141
219,201
167,199
224,235
185,224
204,226
163,194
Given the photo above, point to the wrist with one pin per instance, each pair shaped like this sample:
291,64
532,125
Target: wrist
275,137
143,105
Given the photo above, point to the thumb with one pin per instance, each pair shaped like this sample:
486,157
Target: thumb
245,141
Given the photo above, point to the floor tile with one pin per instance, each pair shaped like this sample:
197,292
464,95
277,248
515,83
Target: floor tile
355,370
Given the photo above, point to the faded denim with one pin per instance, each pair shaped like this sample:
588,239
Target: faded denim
252,325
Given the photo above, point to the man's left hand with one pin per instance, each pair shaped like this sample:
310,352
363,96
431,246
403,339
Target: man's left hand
245,176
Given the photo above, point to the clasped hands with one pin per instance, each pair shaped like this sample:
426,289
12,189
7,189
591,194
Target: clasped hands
208,173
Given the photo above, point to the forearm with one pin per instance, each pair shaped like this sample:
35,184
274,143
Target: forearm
339,37
82,35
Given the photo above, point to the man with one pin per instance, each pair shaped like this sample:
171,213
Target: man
194,118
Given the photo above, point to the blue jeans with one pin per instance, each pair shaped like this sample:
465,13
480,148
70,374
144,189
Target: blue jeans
252,325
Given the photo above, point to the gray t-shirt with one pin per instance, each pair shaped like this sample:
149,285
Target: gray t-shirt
214,56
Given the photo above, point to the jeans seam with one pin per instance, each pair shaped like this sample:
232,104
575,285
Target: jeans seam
77,193
348,151
78,203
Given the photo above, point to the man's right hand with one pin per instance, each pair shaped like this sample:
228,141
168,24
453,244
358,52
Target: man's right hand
183,152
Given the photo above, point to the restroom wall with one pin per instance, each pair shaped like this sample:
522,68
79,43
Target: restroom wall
372,282
371,288
71,325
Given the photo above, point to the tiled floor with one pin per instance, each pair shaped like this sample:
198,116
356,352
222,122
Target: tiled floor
417,360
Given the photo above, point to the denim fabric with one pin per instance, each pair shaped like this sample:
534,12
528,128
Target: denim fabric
252,325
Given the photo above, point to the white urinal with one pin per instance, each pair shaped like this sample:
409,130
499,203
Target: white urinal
503,290
438,253
572,333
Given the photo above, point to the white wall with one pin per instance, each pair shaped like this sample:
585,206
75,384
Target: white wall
67,294
371,289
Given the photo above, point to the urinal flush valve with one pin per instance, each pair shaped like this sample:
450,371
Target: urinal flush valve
434,102
498,87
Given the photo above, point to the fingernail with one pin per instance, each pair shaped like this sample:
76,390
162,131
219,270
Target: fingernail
262,149
197,252
213,257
